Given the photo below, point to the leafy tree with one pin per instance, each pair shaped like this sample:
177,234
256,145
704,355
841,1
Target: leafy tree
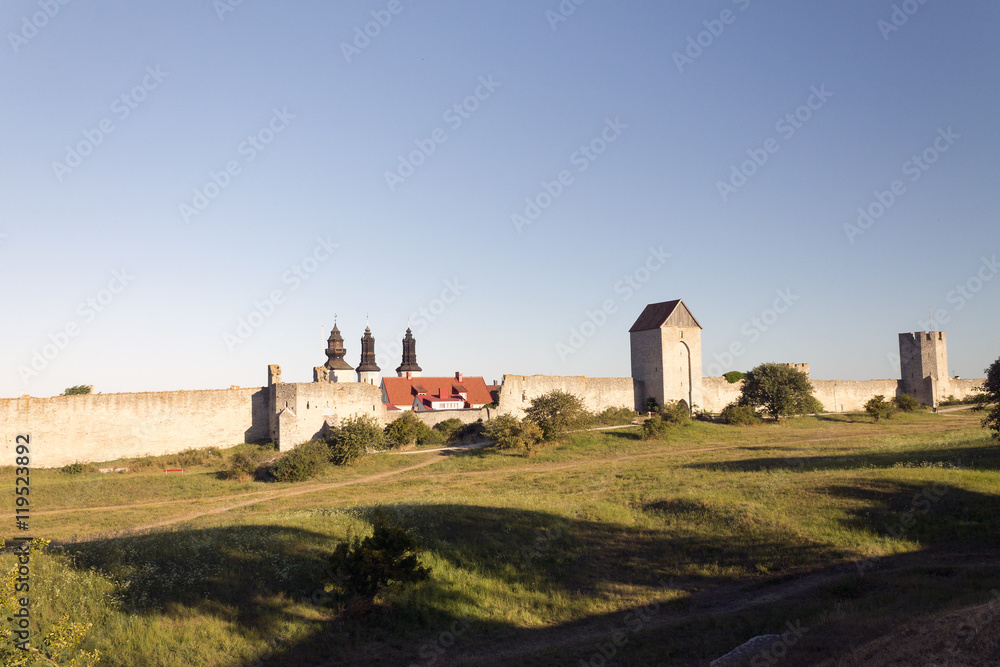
509,432
652,405
355,436
778,389
905,403
77,390
879,408
739,415
557,412
991,394
732,377
361,568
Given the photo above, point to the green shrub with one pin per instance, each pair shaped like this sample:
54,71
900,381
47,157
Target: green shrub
655,428
615,416
469,432
360,569
304,462
248,462
448,428
675,413
808,405
652,405
509,432
906,403
739,415
879,408
194,457
355,436
75,469
429,436
732,377
403,431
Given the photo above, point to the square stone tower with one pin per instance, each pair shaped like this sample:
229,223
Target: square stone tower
666,355
923,364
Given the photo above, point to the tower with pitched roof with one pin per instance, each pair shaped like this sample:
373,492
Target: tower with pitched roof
666,355
338,369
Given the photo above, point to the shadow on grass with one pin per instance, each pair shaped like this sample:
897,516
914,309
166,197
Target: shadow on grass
985,457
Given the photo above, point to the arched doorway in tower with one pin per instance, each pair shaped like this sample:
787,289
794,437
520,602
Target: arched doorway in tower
683,360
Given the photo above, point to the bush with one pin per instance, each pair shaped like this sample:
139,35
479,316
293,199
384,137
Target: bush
557,412
739,415
404,431
429,437
75,468
906,403
448,428
195,457
879,408
732,377
652,405
304,462
360,569
77,390
355,436
655,428
808,405
248,463
509,432
675,413
615,416
470,432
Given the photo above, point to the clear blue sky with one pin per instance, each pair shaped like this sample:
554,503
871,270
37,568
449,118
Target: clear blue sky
308,130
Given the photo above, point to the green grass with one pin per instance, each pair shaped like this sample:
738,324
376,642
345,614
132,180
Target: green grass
541,560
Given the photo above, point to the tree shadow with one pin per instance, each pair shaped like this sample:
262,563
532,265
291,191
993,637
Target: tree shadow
979,458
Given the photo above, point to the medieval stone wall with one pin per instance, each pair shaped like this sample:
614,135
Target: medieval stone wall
103,427
597,393
302,409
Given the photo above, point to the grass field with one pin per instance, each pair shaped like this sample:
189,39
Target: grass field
860,543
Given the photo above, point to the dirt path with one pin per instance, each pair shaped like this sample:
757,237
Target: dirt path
254,497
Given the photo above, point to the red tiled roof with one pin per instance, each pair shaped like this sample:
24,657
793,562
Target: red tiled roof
402,391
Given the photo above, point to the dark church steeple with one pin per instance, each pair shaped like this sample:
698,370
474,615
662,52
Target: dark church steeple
409,365
368,370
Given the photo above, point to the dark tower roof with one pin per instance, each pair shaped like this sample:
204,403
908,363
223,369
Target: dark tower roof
672,313
335,352
367,353
409,364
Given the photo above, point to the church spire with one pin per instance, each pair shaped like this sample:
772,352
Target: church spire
340,370
409,366
368,370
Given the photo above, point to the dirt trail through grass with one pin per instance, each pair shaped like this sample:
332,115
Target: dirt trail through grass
255,497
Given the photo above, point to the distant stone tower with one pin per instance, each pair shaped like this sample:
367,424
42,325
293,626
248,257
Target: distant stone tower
666,355
339,370
409,367
923,365
368,371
